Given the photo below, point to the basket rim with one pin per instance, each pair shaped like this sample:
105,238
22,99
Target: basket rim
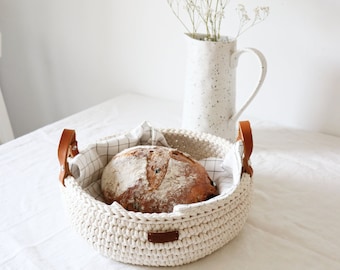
181,209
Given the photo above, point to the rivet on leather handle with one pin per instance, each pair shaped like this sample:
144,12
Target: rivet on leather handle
245,134
163,237
68,147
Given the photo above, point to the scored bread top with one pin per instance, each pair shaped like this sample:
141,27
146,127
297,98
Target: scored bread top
155,179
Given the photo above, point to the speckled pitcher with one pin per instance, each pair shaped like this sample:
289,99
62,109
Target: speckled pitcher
210,97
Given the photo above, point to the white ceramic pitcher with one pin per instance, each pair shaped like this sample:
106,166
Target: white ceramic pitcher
210,94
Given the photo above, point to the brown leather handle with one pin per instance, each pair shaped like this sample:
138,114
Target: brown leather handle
245,134
68,147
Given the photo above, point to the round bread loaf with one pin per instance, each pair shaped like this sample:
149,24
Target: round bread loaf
153,179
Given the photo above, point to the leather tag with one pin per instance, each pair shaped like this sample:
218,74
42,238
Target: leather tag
163,237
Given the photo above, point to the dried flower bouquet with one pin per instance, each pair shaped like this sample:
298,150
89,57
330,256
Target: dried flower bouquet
210,14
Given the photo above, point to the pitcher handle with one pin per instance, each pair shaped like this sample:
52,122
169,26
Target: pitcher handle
234,59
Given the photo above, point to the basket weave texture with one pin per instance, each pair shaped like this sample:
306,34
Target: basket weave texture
123,235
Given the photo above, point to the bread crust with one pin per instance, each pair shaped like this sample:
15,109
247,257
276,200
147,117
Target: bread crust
153,179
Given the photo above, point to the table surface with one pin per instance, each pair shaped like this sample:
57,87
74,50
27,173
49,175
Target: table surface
294,221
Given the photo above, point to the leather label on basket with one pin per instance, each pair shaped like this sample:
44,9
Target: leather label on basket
163,237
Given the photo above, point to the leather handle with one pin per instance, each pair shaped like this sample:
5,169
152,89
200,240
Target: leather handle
245,134
68,147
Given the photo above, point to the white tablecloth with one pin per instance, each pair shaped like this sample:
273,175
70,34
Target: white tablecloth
294,222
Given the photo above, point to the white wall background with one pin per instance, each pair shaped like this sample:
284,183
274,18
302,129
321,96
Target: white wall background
62,56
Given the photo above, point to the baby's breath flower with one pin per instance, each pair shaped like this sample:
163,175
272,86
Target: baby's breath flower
260,13
243,14
210,14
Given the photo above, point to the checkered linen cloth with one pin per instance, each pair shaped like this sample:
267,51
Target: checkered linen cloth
89,165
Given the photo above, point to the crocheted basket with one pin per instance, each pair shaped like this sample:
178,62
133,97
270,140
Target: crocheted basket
185,235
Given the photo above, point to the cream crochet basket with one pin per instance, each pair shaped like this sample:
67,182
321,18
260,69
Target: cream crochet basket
185,235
